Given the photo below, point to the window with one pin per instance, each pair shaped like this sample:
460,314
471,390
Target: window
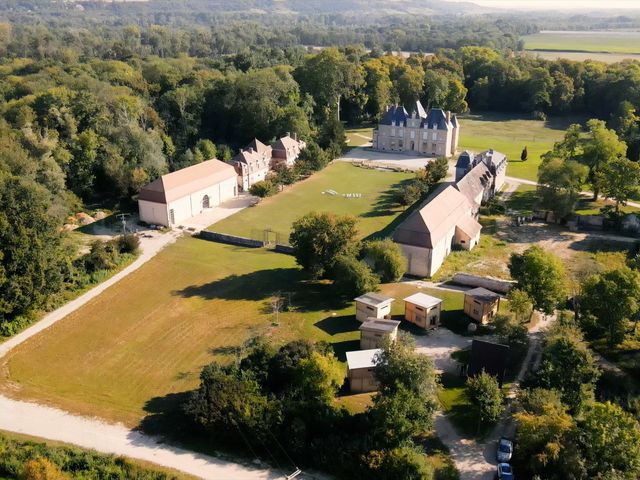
433,147
370,308
462,241
420,309
424,135
172,217
413,134
434,136
475,311
400,144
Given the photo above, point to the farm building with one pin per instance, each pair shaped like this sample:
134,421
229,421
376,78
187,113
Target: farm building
252,164
486,171
428,235
423,310
286,150
361,367
374,331
488,357
183,194
373,305
481,304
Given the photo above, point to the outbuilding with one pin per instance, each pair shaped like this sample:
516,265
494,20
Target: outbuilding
183,194
374,331
373,305
362,365
490,358
423,310
481,304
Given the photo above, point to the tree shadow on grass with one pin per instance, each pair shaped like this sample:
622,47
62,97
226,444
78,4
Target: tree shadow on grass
387,203
339,324
256,286
341,348
166,416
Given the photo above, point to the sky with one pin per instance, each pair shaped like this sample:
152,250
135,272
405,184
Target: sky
558,4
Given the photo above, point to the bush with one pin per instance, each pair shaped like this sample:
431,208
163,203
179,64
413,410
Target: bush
128,243
284,175
387,259
103,256
353,277
264,188
485,395
312,159
404,463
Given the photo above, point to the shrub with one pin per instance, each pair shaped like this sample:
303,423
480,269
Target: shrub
485,395
353,277
387,259
129,243
103,256
405,463
264,188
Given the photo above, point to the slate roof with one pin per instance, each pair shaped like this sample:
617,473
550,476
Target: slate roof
251,160
474,182
490,357
427,226
186,181
395,113
465,159
419,109
438,118
259,147
492,158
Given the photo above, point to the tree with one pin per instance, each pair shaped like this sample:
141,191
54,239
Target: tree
520,304
387,259
400,366
264,188
33,260
319,377
436,170
568,367
620,179
312,158
609,438
319,238
332,137
230,400
42,469
541,276
600,147
613,298
560,185
353,277
328,76
403,462
485,395
524,156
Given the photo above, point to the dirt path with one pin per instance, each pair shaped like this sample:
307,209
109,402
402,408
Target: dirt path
54,424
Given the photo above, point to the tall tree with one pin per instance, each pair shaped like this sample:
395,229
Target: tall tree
541,275
620,179
560,183
485,395
600,148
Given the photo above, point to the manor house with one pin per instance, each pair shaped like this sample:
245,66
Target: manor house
433,134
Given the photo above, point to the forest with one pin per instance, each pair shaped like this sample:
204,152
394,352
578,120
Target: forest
89,114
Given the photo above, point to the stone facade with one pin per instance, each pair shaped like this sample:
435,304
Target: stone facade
432,134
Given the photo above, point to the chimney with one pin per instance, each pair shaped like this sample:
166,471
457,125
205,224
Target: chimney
288,134
295,136
448,116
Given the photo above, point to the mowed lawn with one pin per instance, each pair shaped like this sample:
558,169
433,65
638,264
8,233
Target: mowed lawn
374,208
148,336
509,135
581,41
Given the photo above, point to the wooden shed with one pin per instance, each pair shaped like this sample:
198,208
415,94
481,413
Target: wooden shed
481,304
374,331
488,357
423,310
361,366
373,305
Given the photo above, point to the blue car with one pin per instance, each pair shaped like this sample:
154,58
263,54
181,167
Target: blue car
505,472
505,450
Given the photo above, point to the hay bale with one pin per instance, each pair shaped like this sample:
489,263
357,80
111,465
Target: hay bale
84,219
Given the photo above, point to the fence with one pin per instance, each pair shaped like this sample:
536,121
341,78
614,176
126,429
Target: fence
230,239
270,237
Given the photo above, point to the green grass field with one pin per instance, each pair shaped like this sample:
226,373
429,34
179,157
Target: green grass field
509,135
581,41
357,137
147,337
375,209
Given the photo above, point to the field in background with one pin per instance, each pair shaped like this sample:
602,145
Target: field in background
375,208
510,134
585,41
582,56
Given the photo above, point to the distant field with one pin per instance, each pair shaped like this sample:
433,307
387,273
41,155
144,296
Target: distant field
585,41
374,208
148,336
509,135
582,56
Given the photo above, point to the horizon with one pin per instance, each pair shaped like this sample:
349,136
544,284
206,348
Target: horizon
557,5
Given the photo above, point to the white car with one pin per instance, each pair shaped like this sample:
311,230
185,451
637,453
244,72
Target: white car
505,450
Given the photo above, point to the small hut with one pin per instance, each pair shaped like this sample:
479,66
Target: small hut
374,331
481,304
373,305
423,310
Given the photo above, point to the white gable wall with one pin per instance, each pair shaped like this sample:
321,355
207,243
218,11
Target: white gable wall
153,213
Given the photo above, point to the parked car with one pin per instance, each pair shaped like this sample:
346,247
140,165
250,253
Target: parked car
505,450
505,472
